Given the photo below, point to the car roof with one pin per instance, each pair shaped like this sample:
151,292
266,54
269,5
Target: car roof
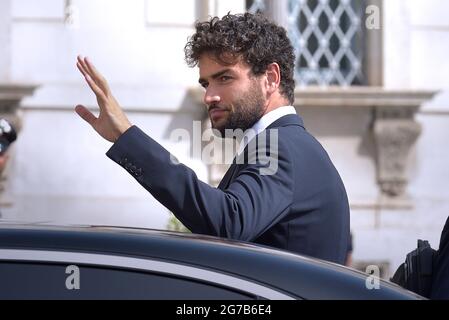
257,263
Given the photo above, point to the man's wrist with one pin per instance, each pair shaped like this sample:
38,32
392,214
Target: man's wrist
123,130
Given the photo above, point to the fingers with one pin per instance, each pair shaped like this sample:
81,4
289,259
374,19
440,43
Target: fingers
92,84
85,114
82,66
87,67
81,69
93,71
96,89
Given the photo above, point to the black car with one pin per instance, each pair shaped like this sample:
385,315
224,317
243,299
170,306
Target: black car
48,262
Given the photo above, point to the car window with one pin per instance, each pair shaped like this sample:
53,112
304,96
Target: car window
56,281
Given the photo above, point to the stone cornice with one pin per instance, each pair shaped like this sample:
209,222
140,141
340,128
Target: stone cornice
12,94
350,97
361,97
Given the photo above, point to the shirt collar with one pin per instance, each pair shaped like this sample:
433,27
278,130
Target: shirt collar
264,123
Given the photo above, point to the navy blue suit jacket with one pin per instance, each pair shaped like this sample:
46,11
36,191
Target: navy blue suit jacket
302,207
440,283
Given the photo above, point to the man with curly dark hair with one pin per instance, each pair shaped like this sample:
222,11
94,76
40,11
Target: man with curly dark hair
251,40
246,65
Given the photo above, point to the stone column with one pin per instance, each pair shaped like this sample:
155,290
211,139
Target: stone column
5,40
277,10
203,9
5,56
373,66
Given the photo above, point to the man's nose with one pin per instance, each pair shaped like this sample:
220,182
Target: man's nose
211,97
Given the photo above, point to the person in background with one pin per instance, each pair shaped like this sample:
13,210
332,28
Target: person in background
3,161
7,136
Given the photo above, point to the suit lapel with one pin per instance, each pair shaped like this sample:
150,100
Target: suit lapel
287,120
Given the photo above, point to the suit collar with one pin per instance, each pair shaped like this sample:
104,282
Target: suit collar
288,120
266,120
264,123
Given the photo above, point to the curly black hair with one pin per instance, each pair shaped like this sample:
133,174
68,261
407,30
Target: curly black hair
252,37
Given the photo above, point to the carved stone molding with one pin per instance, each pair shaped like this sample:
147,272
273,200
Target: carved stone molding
395,133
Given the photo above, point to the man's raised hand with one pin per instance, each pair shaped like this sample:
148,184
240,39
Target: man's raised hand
112,121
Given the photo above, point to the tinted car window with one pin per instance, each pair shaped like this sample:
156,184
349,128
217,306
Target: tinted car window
48,281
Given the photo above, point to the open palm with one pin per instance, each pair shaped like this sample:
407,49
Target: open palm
112,122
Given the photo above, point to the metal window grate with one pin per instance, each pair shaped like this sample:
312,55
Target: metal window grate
328,39
255,6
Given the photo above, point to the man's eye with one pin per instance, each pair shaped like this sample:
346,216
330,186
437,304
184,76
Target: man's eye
225,78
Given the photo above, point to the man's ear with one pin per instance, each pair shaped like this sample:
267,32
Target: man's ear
273,80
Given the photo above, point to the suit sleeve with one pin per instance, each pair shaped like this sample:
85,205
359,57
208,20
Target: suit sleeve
245,210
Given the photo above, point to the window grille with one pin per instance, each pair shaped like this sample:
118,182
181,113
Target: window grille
328,39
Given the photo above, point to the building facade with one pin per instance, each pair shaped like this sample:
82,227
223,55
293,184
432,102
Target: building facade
371,87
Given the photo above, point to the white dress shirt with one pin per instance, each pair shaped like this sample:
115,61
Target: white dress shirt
264,123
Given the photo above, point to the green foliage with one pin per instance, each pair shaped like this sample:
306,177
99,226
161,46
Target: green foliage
175,225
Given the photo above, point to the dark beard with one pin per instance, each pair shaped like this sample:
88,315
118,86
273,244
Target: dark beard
247,111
